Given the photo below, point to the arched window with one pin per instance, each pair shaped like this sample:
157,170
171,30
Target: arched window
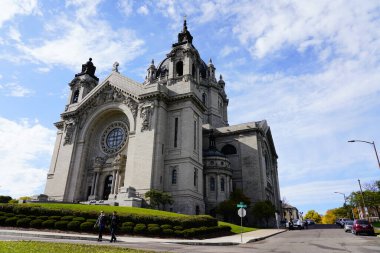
229,150
179,68
193,70
76,96
222,184
212,184
107,187
195,177
174,177
204,98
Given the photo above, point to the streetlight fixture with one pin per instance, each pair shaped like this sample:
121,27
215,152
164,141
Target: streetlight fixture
374,147
345,205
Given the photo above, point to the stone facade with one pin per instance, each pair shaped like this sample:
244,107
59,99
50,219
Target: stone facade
119,138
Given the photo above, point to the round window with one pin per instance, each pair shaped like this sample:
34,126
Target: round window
114,137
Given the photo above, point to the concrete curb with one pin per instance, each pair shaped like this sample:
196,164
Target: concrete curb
69,237
264,237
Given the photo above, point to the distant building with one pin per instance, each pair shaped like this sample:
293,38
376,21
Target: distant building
119,138
290,212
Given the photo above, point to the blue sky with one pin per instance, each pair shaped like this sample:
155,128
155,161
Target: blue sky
310,68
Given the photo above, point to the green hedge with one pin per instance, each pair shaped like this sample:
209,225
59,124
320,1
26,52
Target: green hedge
61,225
23,222
2,220
87,226
37,223
73,225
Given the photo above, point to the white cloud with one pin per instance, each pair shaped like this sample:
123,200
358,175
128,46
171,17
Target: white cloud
227,50
15,90
14,34
77,40
126,6
9,9
23,145
143,10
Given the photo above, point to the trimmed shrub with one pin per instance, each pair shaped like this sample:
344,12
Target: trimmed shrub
153,229
167,231
73,225
20,216
178,228
36,223
128,224
178,233
2,213
23,222
11,221
92,220
2,220
87,226
54,217
126,229
48,223
80,219
32,217
43,217
139,228
67,218
61,225
166,226
9,215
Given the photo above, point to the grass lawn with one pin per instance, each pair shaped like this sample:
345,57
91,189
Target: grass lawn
46,247
109,209
235,228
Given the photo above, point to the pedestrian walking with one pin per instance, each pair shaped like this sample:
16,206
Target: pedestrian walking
101,222
113,226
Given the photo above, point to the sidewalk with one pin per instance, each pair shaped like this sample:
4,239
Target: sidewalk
222,241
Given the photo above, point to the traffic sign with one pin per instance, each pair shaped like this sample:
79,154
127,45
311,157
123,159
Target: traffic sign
242,212
241,205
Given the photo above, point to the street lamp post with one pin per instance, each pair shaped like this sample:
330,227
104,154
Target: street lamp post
345,205
374,148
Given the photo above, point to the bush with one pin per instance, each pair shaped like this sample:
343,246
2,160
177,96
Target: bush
154,230
20,216
80,219
5,199
61,225
67,218
178,228
36,223
128,224
54,217
11,221
167,231
48,223
23,222
87,226
2,213
126,229
139,228
178,233
73,225
9,215
92,220
166,226
2,220
32,217
43,217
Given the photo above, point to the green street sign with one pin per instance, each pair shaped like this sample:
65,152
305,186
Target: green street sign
241,205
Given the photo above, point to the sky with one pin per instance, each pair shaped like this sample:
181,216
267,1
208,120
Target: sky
310,68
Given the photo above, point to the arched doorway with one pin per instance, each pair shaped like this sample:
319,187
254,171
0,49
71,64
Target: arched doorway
107,187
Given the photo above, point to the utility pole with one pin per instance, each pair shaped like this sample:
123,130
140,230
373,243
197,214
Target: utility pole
361,192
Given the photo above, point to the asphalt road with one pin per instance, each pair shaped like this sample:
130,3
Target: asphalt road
317,239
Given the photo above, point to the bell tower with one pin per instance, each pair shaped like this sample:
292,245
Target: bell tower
83,83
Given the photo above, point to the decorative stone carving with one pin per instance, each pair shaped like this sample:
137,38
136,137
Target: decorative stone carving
119,158
115,67
146,115
99,161
70,126
133,106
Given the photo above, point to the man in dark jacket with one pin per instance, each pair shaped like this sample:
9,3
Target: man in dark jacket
101,222
113,226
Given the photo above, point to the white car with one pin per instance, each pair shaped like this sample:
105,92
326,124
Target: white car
348,225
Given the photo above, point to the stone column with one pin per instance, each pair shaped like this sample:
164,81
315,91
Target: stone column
113,182
93,184
117,182
96,183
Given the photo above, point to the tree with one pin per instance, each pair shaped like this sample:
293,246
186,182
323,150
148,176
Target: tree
329,217
313,215
263,210
157,198
228,207
5,199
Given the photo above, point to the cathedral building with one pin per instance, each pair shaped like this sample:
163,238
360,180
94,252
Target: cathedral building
119,138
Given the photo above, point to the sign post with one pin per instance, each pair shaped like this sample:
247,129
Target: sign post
241,213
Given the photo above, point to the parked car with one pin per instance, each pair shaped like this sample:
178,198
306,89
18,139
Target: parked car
310,222
362,226
341,221
298,224
348,225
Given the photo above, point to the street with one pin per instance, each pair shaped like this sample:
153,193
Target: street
316,239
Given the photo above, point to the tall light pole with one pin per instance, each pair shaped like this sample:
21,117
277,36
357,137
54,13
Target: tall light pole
374,147
345,205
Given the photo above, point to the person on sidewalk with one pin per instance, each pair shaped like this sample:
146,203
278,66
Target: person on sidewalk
113,226
101,222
